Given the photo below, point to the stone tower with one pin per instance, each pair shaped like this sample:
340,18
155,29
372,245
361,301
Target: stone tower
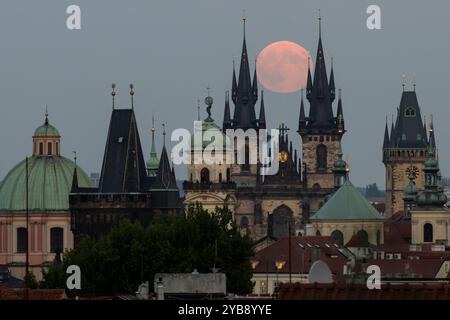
321,131
405,151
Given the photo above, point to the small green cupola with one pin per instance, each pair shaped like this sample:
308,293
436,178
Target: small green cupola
46,140
152,163
433,196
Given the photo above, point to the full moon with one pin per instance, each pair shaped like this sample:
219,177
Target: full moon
283,67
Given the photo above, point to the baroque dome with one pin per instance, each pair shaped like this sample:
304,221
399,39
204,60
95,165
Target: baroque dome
50,176
49,184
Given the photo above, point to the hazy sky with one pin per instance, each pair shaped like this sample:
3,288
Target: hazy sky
172,50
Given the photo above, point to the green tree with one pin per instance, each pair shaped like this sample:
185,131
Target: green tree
131,254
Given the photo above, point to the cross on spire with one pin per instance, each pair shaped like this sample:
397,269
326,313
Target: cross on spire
283,129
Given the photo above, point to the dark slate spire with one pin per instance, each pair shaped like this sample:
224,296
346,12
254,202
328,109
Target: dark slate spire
432,142
255,85
340,115
408,131
262,113
319,93
331,85
226,114
123,168
391,136
74,188
302,118
309,85
425,129
165,180
386,136
243,93
234,86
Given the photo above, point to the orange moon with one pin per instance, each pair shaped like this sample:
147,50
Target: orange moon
283,67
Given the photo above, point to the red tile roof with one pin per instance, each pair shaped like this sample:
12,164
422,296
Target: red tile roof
7,293
303,251
297,291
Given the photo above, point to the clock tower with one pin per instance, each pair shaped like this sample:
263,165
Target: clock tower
405,151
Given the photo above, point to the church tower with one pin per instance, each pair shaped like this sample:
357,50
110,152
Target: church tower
405,151
244,94
321,131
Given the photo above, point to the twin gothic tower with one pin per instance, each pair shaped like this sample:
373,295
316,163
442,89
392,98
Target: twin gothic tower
272,205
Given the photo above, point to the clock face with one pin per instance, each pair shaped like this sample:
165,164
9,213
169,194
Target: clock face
414,170
283,156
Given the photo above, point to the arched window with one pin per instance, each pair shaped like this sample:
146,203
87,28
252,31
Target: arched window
318,233
220,176
281,220
338,237
56,240
428,232
244,222
228,174
363,236
321,156
41,148
204,175
410,112
21,240
49,148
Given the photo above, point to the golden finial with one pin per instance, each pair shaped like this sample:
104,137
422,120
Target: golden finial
113,93
132,95
403,81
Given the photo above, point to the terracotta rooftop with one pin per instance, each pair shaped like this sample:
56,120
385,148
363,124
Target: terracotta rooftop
7,293
303,251
297,291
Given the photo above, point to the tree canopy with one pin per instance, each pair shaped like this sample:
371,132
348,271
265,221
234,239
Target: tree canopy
130,254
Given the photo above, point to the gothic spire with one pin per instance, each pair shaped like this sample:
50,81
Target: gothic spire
165,179
302,118
331,85
244,93
432,142
153,163
386,136
340,114
262,113
320,92
234,86
226,113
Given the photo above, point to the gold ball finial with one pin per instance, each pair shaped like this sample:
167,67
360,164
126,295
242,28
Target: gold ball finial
113,92
131,89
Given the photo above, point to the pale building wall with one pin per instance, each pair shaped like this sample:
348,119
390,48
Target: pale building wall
349,228
324,179
39,239
266,283
440,220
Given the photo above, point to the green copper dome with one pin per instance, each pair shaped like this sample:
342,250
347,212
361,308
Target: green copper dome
49,183
46,130
208,125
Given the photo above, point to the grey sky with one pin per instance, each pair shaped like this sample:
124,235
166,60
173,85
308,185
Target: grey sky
171,50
